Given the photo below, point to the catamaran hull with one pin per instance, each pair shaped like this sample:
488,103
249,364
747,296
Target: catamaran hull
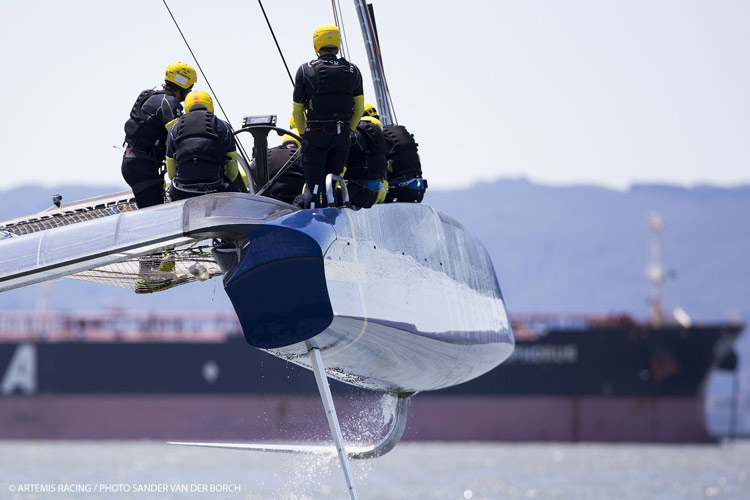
398,298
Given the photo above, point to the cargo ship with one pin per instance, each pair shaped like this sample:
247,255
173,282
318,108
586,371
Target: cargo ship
191,375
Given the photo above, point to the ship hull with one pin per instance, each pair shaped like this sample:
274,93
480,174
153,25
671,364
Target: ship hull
300,417
230,391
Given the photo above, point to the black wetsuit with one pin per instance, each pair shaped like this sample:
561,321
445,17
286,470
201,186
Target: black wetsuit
289,185
405,182
366,162
327,86
146,145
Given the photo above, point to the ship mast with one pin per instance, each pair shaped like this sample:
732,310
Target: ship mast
655,272
367,23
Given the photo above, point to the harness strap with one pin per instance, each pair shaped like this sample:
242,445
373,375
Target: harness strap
199,187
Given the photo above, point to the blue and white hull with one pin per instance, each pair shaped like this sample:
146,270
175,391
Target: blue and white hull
398,298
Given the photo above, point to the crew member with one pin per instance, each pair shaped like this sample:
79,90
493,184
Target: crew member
405,182
201,152
328,102
153,114
366,167
290,183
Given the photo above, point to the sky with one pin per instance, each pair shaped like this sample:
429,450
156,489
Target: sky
598,92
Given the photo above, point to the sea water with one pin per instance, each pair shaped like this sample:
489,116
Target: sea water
455,471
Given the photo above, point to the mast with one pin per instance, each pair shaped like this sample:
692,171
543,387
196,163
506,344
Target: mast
366,22
655,272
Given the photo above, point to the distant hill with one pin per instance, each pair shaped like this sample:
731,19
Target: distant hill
27,200
585,249
555,249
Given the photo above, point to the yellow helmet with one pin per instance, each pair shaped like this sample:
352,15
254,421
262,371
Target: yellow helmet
198,97
326,35
370,110
288,140
181,74
370,119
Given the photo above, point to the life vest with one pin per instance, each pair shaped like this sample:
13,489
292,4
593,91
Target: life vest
144,132
278,157
401,152
290,183
333,98
199,153
369,163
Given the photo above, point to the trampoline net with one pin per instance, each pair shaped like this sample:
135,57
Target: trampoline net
157,271
52,220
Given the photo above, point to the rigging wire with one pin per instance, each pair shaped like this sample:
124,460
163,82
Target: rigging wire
289,163
195,59
339,21
276,42
239,144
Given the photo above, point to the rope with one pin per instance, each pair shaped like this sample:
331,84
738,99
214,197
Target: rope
229,124
338,19
276,42
196,60
291,161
